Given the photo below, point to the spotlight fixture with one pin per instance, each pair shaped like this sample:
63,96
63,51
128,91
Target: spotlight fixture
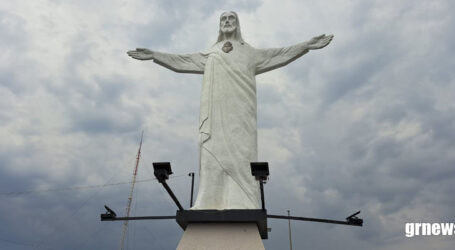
162,170
260,170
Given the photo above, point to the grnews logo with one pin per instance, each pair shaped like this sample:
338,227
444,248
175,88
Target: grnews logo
429,229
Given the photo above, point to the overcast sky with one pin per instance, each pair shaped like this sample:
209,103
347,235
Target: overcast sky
366,123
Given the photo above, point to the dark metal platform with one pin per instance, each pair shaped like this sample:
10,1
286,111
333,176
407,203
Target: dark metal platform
162,170
258,216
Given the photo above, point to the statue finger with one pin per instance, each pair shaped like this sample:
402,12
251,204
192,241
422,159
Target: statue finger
327,39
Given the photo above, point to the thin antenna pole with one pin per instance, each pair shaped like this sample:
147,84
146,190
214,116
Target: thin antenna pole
130,197
290,234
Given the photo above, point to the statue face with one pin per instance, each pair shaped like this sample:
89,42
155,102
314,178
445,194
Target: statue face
228,22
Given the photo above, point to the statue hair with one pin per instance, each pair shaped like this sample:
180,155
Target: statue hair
237,35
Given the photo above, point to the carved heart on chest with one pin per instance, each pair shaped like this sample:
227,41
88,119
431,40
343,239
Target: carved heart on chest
227,47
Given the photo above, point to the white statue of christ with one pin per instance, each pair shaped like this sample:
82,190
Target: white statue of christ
228,127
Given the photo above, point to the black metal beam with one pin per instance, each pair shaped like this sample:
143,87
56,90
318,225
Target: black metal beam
192,188
261,185
359,224
169,191
138,218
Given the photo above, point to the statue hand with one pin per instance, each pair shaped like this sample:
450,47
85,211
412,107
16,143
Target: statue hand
319,42
141,54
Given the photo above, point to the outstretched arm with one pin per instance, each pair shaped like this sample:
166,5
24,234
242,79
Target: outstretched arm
270,59
188,63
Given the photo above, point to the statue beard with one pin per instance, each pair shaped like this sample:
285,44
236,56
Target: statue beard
229,31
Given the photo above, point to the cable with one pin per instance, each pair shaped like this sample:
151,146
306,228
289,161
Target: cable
61,222
23,244
77,187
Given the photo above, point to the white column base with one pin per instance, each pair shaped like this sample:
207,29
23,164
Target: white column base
221,236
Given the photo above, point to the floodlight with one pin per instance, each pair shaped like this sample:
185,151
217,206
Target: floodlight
109,215
260,170
162,170
354,220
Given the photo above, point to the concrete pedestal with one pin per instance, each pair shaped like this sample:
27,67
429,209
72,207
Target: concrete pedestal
221,236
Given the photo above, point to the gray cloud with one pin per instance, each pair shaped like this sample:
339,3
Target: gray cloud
364,124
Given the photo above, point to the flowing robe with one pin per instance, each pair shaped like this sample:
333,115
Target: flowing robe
228,123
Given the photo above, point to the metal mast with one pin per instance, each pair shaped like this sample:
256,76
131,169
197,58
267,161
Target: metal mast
130,197
290,235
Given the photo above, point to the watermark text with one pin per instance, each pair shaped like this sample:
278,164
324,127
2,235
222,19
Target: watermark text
429,229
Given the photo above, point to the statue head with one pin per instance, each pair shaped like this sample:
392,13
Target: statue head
229,25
